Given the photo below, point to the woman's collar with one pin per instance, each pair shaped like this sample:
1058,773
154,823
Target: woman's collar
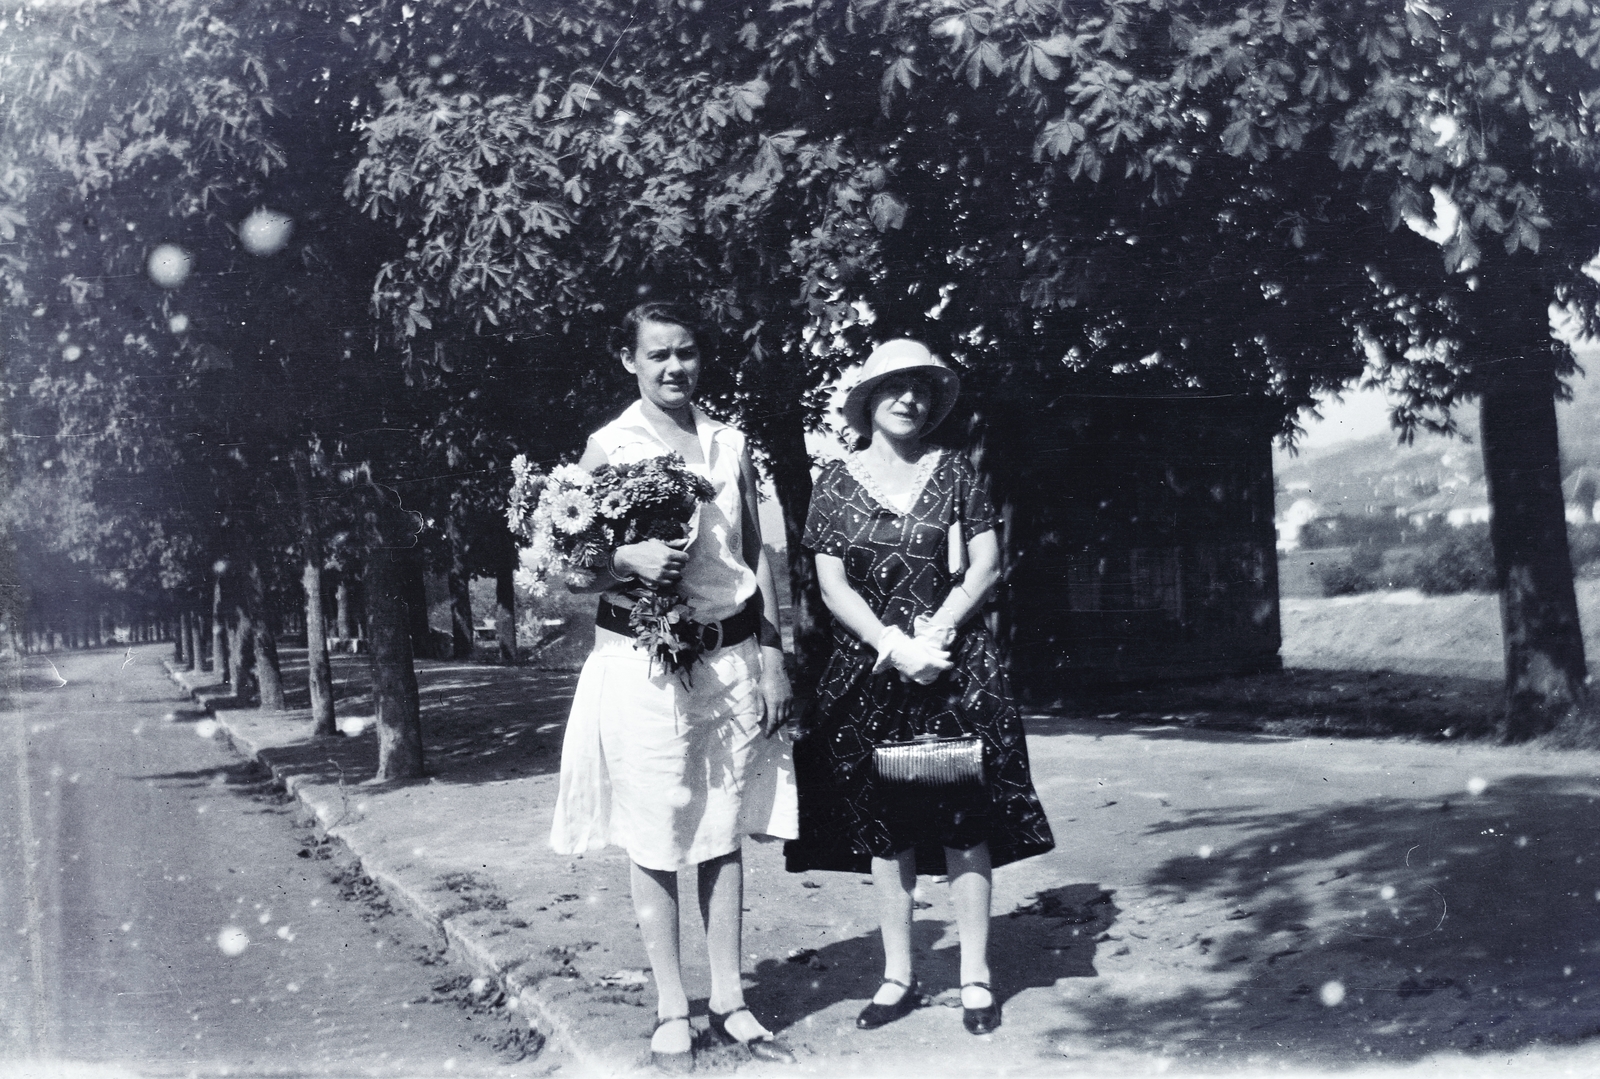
706,427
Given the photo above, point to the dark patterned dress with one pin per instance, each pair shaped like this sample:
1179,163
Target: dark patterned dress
899,563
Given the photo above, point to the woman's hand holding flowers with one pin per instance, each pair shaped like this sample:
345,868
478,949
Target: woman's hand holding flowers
916,660
655,562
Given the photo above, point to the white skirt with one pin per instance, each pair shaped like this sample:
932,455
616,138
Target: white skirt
675,773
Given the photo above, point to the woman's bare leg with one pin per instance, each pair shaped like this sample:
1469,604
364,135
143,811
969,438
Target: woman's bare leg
894,880
655,902
722,912
970,887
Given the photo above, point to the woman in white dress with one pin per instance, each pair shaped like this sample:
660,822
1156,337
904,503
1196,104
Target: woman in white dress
678,770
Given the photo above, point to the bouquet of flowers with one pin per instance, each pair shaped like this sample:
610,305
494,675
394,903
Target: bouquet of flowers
572,521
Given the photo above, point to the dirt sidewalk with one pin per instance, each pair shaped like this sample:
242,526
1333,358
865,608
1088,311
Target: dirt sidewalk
1218,902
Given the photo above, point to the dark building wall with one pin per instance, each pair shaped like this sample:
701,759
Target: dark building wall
1139,543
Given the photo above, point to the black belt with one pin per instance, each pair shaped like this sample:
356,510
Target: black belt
741,625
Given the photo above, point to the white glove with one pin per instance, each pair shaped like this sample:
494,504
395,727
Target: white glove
914,660
939,635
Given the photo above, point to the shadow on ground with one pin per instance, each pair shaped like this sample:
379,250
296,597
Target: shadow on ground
1053,937
480,723
1391,927
1299,703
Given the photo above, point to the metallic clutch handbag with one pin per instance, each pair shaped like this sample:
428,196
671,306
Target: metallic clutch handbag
931,761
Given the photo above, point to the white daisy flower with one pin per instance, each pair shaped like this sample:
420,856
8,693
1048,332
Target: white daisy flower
571,511
530,583
578,577
571,476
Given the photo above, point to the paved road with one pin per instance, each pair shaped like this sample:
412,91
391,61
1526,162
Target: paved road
170,914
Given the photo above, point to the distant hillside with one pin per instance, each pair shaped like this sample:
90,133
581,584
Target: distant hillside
1371,474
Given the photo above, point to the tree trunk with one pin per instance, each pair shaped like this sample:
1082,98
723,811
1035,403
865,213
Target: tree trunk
220,659
191,630
394,678
1545,667
204,661
262,632
414,572
319,671
791,477
180,642
460,580
505,607
239,656
346,617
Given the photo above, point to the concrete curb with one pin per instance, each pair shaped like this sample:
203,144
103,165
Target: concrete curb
530,999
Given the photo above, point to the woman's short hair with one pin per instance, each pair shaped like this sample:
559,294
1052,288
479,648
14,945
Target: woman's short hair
626,335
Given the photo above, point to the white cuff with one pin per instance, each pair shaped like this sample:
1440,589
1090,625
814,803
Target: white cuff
891,638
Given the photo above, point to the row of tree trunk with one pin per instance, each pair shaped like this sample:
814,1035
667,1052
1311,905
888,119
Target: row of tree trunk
30,637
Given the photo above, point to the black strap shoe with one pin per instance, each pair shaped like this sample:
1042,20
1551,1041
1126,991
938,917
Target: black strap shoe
674,1063
981,1020
765,1048
874,1015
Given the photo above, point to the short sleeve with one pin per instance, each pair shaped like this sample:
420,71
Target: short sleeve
977,513
823,533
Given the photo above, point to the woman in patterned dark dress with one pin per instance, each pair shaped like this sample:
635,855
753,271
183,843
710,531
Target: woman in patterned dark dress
911,658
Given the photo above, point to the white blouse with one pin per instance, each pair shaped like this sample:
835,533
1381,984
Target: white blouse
717,581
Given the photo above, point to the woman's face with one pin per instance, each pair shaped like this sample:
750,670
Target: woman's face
666,361
900,406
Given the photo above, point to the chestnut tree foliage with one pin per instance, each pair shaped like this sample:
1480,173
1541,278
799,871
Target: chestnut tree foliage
174,403
1126,196
1263,201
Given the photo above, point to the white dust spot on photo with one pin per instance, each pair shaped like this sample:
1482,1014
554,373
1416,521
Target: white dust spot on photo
1477,785
169,265
206,728
264,917
285,933
233,941
1386,892
1205,851
266,232
1332,994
